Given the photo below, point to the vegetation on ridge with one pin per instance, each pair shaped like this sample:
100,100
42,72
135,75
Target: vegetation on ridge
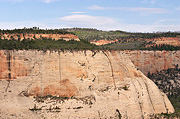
126,40
35,30
46,44
43,43
94,34
162,47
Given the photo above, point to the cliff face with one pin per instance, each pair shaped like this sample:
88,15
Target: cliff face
153,61
21,36
94,84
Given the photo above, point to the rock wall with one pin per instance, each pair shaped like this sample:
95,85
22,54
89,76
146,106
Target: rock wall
100,84
153,61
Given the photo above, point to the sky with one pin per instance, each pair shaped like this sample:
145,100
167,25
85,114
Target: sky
126,15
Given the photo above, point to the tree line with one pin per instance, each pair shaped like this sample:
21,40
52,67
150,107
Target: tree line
35,30
50,44
91,35
46,44
161,47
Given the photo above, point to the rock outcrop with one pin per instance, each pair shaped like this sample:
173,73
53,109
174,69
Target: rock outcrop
153,61
81,84
103,42
175,41
22,36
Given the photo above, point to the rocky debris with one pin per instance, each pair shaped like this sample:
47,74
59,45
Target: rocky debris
76,85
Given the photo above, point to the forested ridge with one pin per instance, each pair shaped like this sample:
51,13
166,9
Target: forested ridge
46,44
43,43
128,40
94,34
35,30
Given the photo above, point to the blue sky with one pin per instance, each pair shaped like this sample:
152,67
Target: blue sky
127,15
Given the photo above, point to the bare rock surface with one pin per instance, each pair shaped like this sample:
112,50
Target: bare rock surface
153,61
84,84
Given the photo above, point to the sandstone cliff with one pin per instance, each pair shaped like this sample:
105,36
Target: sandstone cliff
93,84
21,36
153,61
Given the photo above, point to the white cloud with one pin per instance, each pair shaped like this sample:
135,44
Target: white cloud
144,1
106,23
167,21
153,1
88,21
95,7
134,9
13,25
149,1
146,10
50,23
149,28
177,8
45,1
77,12
48,1
12,1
